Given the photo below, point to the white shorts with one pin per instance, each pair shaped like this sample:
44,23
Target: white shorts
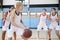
54,26
42,25
18,31
6,26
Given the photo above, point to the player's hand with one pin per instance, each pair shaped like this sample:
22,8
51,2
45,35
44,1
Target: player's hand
53,20
18,26
57,19
26,27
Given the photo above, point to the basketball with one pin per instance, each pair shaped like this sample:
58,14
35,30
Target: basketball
27,33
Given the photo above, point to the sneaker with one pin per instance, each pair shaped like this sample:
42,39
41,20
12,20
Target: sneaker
49,38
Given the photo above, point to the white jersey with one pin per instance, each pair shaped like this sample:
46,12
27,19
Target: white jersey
53,19
18,20
13,28
43,19
7,23
54,24
8,17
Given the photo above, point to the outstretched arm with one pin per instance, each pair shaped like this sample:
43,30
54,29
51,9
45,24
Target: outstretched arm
49,17
57,19
23,22
39,18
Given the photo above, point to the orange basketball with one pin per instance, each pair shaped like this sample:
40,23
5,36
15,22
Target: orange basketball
27,33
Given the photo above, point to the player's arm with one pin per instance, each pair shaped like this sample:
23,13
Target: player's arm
23,22
39,19
57,19
4,16
49,17
12,17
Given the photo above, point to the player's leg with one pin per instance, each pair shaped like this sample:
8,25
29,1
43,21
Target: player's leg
38,30
14,35
38,34
57,33
17,31
4,29
3,35
45,28
10,33
49,33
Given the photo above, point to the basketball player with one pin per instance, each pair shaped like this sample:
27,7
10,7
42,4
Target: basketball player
42,22
54,23
6,22
59,22
16,19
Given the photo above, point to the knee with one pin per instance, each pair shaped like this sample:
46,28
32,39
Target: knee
4,32
49,32
14,34
57,32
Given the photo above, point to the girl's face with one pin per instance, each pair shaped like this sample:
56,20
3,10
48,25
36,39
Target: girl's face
53,11
20,7
44,12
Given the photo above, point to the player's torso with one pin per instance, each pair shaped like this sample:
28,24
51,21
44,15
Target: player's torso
17,19
54,17
53,20
43,18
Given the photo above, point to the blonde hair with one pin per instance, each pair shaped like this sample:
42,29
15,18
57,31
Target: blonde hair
18,4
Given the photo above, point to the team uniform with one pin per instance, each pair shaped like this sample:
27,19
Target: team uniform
42,23
54,24
6,22
15,29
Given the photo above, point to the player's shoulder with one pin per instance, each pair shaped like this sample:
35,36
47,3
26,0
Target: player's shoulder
12,13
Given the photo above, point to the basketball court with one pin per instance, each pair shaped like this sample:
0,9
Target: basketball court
34,35
30,15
